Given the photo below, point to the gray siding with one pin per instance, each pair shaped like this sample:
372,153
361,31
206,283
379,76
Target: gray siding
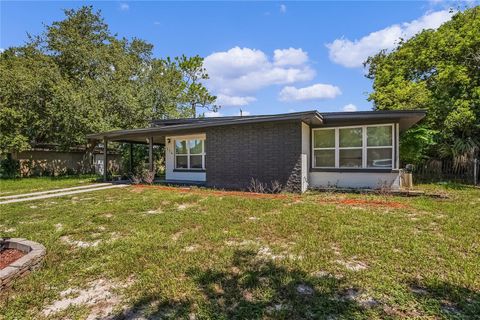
267,152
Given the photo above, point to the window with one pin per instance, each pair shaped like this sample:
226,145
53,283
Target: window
324,148
379,147
350,147
190,154
353,147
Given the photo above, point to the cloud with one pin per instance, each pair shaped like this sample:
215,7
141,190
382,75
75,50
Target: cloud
243,71
350,107
289,57
225,100
352,54
1,50
314,92
124,6
210,114
283,8
157,23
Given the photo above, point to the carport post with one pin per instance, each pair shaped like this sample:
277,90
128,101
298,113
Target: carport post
131,159
105,158
150,154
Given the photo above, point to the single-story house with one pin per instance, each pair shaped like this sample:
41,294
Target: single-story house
299,150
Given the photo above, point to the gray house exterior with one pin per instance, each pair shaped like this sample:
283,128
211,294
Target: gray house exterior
299,150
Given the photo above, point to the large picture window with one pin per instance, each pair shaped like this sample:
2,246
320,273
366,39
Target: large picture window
190,154
353,147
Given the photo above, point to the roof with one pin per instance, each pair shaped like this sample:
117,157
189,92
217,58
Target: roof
160,128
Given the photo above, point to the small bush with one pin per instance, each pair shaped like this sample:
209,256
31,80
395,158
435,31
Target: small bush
9,167
144,176
257,186
148,176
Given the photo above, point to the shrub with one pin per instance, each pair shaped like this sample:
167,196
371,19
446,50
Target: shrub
9,167
258,187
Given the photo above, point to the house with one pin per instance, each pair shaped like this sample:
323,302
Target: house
299,150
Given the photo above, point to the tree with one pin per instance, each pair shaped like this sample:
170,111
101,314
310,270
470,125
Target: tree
437,70
77,78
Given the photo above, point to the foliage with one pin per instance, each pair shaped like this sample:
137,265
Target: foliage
140,158
415,142
257,186
9,167
437,70
78,78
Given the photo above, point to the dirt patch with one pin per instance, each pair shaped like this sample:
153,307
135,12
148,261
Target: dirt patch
99,295
353,265
373,203
78,243
8,256
304,289
265,253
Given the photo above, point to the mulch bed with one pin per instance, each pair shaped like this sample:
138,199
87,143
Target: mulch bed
374,203
218,192
8,256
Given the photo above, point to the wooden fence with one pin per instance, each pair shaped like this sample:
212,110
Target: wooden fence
435,170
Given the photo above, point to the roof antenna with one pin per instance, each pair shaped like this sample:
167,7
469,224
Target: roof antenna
241,113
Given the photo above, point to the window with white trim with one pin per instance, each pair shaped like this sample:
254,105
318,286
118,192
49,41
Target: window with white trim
353,147
190,154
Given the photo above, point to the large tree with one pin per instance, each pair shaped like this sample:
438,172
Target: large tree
77,78
437,70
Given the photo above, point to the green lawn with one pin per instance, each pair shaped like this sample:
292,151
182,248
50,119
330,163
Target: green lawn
27,185
201,255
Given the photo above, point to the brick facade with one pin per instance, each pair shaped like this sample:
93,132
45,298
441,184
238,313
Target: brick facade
265,151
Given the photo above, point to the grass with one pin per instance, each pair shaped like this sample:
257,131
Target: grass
200,254
27,185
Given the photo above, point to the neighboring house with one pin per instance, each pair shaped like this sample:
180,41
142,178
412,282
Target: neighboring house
299,150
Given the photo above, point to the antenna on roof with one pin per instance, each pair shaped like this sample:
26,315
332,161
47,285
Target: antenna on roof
241,112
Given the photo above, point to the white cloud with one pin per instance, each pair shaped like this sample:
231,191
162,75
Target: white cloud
244,71
225,100
210,114
283,8
350,107
290,57
315,92
352,54
157,23
124,6
1,50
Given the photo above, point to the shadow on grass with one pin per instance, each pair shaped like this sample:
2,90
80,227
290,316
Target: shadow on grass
446,300
250,288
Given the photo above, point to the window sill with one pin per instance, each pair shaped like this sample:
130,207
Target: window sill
188,170
354,170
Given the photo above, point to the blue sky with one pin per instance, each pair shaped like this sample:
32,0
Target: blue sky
263,57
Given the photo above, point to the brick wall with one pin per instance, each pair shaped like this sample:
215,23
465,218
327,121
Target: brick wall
266,151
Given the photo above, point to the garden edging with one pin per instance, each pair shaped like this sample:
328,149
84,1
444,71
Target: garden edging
21,267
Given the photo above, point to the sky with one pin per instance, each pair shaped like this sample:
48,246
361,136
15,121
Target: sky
262,57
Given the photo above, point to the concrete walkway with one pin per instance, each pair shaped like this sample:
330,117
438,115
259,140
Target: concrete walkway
58,192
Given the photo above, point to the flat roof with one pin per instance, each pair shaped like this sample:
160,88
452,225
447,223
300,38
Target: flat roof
160,128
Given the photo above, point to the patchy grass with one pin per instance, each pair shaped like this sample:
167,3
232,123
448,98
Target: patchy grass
198,254
27,185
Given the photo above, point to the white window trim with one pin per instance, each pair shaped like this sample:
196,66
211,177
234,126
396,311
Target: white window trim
175,154
364,146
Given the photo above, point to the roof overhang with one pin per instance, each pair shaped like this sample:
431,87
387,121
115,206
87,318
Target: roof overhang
405,118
